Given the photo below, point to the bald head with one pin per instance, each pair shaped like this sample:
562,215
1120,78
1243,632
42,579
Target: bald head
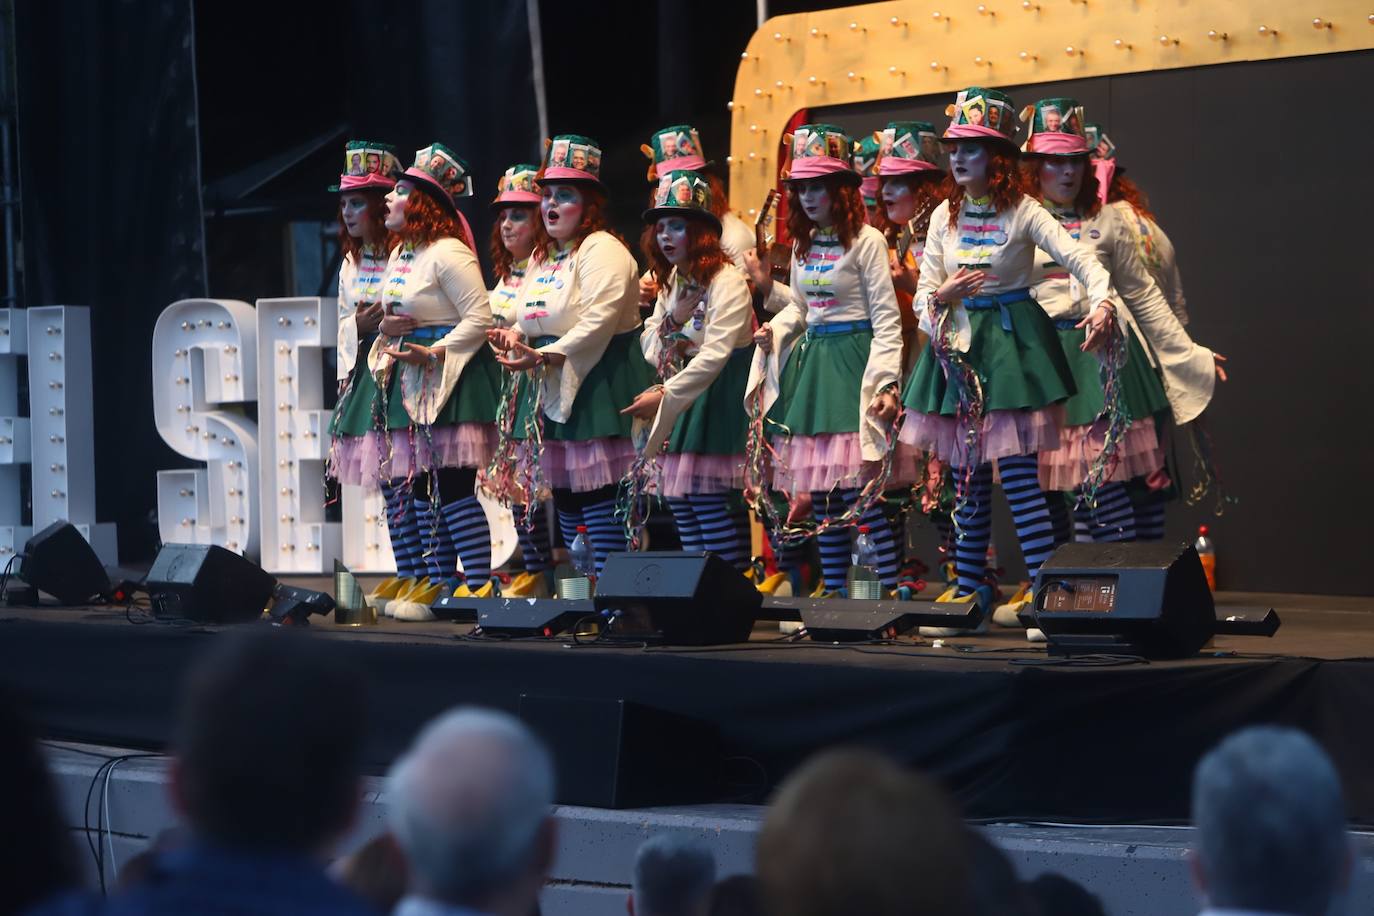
469,804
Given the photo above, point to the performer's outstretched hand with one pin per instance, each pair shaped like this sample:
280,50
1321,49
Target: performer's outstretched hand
397,325
960,285
414,354
764,337
1099,326
503,339
884,406
645,404
1221,370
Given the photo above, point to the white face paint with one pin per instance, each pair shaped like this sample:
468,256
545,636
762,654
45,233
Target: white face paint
898,201
968,163
815,201
1061,178
671,233
353,213
517,231
562,206
396,205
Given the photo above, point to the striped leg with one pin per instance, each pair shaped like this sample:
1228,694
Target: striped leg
1149,518
535,546
836,543
1030,510
1114,516
1082,524
439,556
688,529
720,532
466,525
607,533
403,528
973,527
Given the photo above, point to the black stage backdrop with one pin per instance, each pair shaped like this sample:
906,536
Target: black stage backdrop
108,108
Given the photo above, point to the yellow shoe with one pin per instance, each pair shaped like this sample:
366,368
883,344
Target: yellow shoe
487,590
527,585
951,596
1005,614
388,591
415,605
779,585
820,592
387,588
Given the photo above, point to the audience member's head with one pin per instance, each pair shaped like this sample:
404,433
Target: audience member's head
470,805
40,860
994,886
376,872
269,743
1270,819
673,877
852,832
1056,895
737,895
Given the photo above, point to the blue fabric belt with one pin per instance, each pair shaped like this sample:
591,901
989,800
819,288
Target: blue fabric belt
999,301
1066,324
543,341
432,332
831,328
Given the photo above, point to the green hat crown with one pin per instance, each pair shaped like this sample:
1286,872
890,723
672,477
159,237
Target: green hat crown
866,156
368,157
976,107
518,177
681,141
915,140
1061,115
683,189
445,168
575,152
1101,145
822,140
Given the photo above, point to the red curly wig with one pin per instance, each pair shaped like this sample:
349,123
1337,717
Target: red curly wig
427,221
1086,203
1006,183
1122,188
704,255
847,213
594,213
928,188
376,230
501,259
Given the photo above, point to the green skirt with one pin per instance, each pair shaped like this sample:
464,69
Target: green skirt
819,389
612,384
716,424
473,400
1141,390
1021,369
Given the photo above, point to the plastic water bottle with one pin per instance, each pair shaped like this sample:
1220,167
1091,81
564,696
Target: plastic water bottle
863,578
584,561
1207,552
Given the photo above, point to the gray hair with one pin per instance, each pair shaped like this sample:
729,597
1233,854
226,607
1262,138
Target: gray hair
466,803
673,876
1270,819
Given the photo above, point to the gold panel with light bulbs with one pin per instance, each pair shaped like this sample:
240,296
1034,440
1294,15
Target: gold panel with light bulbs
902,48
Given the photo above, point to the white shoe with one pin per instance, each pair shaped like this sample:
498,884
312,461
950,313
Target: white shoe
1035,634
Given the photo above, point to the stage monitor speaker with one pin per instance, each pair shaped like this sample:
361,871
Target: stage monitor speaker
59,561
208,583
614,753
678,598
1147,598
516,617
292,606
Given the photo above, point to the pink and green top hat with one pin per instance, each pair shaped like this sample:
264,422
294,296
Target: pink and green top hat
572,158
440,173
981,114
1056,128
818,150
368,165
674,149
1103,152
682,192
909,146
866,164
516,186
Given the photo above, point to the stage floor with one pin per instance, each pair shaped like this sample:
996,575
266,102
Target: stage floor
1016,734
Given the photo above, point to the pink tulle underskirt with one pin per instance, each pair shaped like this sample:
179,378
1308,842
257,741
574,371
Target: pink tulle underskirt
586,465
367,460
686,474
1005,433
813,463
1066,467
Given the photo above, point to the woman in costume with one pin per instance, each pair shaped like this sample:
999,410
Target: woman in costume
700,339
576,336
990,384
1055,163
830,360
421,421
515,236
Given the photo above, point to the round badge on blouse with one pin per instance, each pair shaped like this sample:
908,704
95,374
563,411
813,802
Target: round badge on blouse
999,237
1094,234
557,284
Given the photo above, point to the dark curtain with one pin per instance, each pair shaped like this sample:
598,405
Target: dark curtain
111,208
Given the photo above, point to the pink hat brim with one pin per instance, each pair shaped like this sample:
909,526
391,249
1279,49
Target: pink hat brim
891,165
819,167
561,173
688,163
363,182
515,197
1057,144
974,132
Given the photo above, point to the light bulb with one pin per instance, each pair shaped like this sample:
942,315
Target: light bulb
1214,35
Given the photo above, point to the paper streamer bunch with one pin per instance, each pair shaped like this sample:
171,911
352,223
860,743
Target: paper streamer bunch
515,476
1206,471
1114,412
968,416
